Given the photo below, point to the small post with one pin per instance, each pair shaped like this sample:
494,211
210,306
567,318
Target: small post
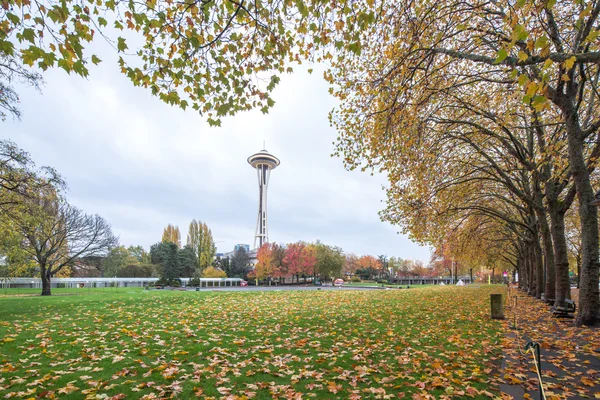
536,350
496,302
514,310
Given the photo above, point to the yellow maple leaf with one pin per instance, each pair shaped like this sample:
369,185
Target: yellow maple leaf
570,62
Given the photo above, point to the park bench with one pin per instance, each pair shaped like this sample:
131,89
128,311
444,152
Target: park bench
564,311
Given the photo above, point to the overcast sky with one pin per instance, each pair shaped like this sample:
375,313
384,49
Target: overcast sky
142,164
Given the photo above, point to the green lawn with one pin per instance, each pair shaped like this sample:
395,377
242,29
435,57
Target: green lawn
325,344
12,292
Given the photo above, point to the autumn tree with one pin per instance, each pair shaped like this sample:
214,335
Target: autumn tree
419,269
21,178
293,259
212,272
330,261
16,262
530,50
55,234
11,71
383,263
46,35
280,266
171,234
308,261
139,253
116,259
399,266
351,264
225,58
265,267
200,239
369,266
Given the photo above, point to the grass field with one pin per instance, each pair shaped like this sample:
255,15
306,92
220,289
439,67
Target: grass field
322,344
12,292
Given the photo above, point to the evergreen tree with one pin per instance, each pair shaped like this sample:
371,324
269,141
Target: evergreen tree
238,265
187,261
171,266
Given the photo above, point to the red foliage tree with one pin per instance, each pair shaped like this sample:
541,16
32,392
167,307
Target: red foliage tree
280,267
264,266
308,260
351,264
293,259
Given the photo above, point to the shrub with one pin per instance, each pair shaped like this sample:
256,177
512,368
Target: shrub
175,282
212,272
194,282
161,282
355,279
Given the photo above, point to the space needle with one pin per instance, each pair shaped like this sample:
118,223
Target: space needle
264,162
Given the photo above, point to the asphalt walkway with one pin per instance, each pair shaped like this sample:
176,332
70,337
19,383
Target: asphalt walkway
570,363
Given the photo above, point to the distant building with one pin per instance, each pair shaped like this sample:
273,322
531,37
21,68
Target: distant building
251,253
243,246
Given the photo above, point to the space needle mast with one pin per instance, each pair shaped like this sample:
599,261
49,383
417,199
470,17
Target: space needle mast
264,162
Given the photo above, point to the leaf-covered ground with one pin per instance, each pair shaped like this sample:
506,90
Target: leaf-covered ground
570,356
434,342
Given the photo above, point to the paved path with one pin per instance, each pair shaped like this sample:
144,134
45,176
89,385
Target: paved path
570,365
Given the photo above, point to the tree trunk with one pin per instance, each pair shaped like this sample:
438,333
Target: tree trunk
45,282
549,287
563,287
589,296
548,275
520,272
539,268
578,268
531,272
523,265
